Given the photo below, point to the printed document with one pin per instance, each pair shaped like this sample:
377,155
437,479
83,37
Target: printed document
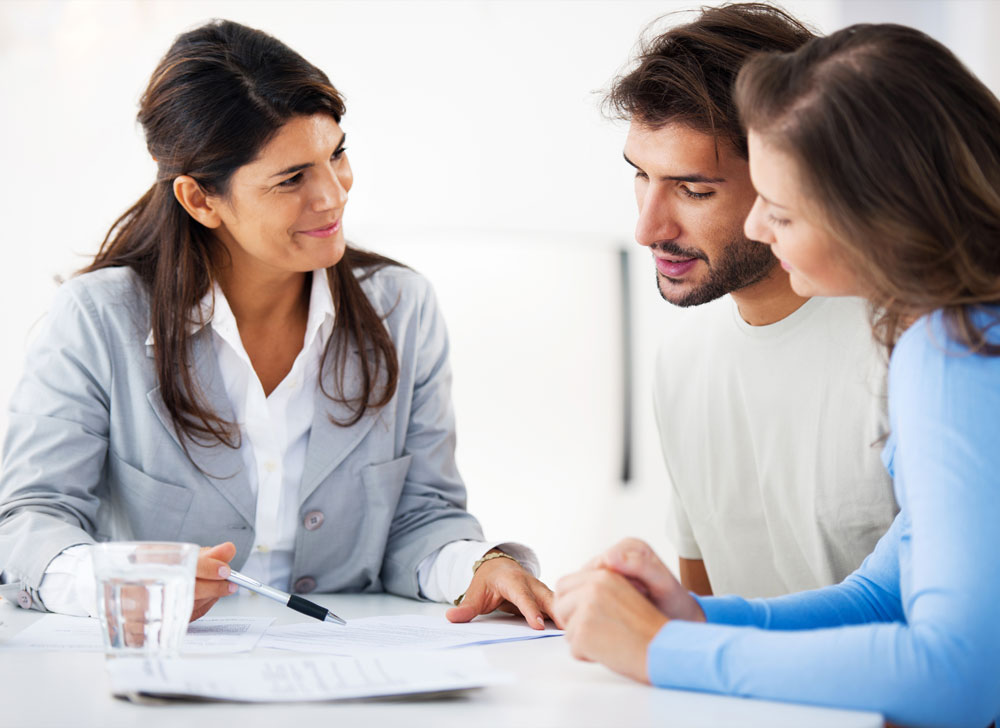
83,634
373,634
303,678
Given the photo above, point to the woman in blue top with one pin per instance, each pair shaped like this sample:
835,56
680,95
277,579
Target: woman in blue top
876,158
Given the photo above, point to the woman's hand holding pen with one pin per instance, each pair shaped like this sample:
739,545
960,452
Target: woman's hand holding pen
504,584
210,579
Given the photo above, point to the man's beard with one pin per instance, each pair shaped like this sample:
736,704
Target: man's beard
742,263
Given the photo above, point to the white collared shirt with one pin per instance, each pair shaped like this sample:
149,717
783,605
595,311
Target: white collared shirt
274,435
274,429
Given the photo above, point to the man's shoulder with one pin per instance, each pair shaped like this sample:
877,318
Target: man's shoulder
840,328
844,310
818,324
711,342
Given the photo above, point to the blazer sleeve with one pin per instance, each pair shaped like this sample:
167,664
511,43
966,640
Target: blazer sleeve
56,444
431,510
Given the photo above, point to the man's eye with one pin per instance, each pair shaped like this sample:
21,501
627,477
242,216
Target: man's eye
696,195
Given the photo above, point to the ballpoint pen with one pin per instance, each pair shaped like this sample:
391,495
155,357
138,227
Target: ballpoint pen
297,603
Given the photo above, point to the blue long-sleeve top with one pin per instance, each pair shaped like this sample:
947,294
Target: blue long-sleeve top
914,633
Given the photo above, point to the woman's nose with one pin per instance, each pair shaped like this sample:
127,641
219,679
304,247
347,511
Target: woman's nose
755,227
331,192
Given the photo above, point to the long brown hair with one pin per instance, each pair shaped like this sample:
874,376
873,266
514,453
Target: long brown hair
686,74
216,98
899,144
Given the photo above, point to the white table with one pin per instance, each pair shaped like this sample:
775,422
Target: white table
42,689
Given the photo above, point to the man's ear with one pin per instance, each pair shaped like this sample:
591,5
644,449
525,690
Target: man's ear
193,199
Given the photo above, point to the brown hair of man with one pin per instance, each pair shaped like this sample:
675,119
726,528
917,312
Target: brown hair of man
898,144
686,74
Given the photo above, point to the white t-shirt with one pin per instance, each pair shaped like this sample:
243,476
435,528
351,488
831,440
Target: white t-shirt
772,436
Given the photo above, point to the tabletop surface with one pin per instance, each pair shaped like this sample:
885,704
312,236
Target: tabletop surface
40,689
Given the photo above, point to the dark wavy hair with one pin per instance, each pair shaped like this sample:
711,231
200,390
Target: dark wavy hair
686,74
216,98
899,145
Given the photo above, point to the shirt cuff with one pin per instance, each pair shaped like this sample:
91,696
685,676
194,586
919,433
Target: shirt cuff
68,586
444,575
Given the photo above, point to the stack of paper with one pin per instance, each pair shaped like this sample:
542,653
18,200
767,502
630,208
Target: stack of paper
302,678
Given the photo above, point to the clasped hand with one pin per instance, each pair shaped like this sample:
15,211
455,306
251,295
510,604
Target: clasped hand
614,607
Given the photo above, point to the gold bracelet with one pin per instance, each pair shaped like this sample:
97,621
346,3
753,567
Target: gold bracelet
480,562
493,555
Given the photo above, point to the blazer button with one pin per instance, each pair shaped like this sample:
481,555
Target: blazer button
304,585
313,520
24,599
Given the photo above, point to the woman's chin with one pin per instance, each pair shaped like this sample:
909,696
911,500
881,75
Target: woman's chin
803,287
331,255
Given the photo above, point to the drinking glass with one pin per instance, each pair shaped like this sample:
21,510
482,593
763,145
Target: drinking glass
145,594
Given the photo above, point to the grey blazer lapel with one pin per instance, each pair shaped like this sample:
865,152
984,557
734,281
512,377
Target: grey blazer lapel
221,465
329,443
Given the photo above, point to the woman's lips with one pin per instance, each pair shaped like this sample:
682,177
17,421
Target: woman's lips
675,268
323,232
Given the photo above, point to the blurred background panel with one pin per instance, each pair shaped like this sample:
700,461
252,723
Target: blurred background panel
481,158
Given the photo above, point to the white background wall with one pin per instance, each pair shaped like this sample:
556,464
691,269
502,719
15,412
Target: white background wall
480,158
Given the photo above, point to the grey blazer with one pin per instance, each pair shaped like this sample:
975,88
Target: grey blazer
90,452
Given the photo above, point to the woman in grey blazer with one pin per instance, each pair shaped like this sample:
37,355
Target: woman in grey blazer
229,371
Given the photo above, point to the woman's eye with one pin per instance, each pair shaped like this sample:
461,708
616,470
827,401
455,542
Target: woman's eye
777,221
696,195
339,153
291,181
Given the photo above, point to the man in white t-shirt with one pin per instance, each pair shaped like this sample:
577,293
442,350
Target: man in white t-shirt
770,406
